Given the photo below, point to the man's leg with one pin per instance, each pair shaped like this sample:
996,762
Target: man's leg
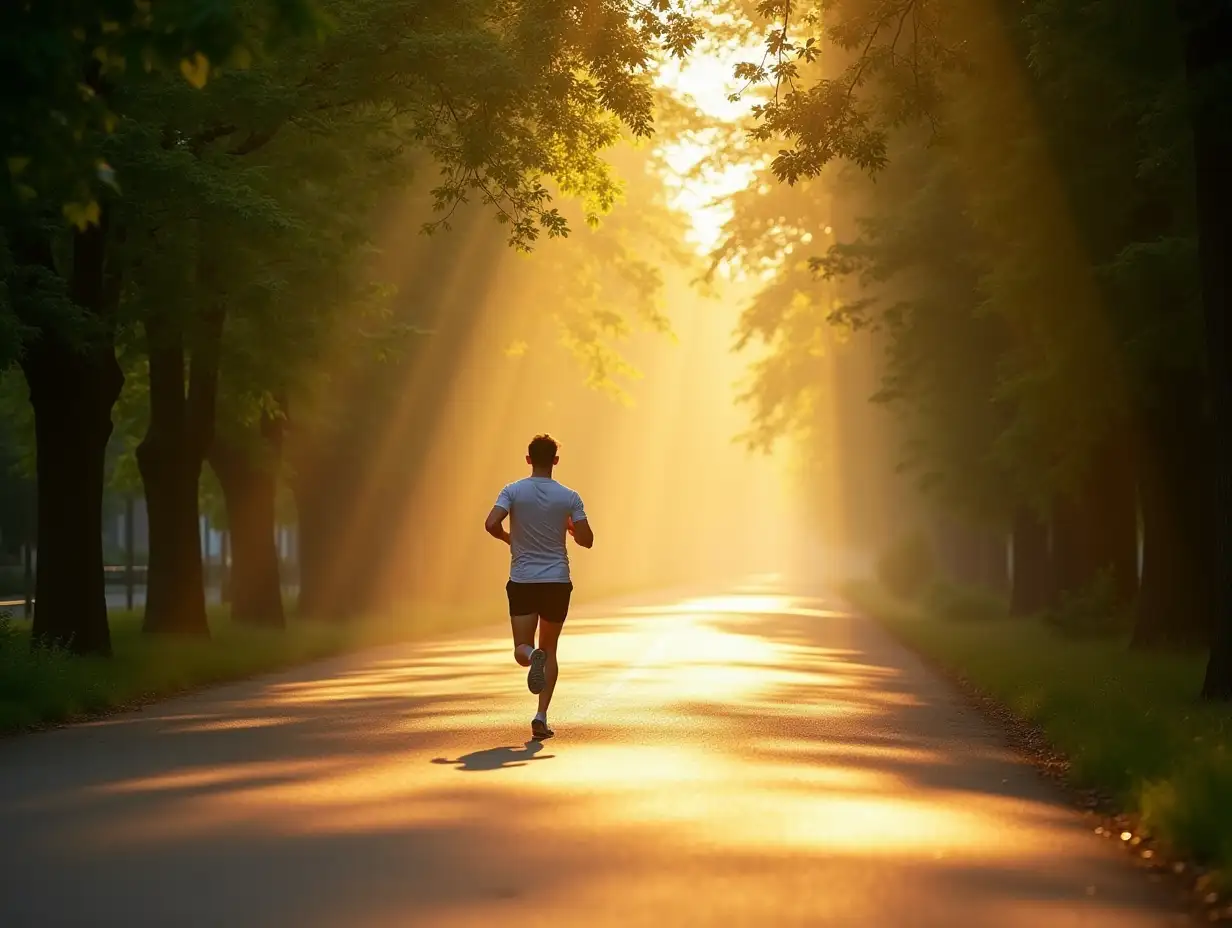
552,614
549,635
523,616
525,652
523,637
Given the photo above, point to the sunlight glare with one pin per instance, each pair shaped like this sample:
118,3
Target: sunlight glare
698,180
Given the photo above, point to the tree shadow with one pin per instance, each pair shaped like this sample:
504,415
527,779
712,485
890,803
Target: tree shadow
790,767
497,758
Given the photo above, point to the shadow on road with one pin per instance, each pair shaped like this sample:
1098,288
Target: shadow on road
498,758
733,760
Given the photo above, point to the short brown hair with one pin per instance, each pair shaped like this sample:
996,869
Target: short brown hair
542,450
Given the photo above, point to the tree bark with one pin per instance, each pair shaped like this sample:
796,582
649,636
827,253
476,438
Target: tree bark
1096,529
1174,608
250,485
1113,513
1207,29
72,391
170,458
1031,591
1073,566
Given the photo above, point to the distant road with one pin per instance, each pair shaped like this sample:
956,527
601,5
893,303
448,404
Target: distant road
738,757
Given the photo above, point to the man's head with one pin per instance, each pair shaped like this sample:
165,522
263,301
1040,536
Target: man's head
541,452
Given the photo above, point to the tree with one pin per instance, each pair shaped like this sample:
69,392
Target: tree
62,62
1207,35
1085,246
499,96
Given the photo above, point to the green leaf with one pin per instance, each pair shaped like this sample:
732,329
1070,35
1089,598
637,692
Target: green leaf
196,70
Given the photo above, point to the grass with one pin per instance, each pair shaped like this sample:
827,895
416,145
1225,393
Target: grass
40,689
1129,723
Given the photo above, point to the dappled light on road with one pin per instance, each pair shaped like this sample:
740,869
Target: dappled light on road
755,748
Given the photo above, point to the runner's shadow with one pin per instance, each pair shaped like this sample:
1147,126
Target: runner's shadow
498,758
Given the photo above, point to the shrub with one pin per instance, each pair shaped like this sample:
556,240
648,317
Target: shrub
907,566
1192,808
950,601
1092,612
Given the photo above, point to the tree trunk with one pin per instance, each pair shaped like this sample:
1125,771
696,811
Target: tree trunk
72,391
1174,608
1031,592
170,459
1096,528
249,487
1074,562
1113,525
1207,26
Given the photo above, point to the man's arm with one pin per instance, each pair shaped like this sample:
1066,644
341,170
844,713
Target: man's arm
579,526
494,525
582,533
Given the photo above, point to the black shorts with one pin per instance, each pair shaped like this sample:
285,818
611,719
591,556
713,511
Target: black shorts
549,601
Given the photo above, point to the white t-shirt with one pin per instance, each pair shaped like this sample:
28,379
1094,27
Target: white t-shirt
538,508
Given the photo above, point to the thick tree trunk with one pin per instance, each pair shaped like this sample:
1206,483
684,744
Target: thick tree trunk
170,472
1032,583
1174,602
1113,527
72,391
1207,26
250,485
170,459
1075,562
1096,529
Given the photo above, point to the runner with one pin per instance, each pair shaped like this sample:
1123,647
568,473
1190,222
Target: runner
539,587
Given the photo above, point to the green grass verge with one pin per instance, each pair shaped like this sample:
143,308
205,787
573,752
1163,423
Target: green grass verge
39,689
1130,723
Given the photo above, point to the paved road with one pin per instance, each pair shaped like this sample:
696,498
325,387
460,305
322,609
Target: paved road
749,758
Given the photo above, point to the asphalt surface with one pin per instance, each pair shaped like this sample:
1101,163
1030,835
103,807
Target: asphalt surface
744,757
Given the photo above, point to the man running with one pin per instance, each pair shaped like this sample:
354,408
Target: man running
541,512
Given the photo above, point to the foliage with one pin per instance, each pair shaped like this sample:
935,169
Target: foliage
967,255
1091,612
257,170
606,281
62,62
998,201
957,603
1191,807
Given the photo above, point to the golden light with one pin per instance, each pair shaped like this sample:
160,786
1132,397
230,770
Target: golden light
698,178
673,496
810,783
